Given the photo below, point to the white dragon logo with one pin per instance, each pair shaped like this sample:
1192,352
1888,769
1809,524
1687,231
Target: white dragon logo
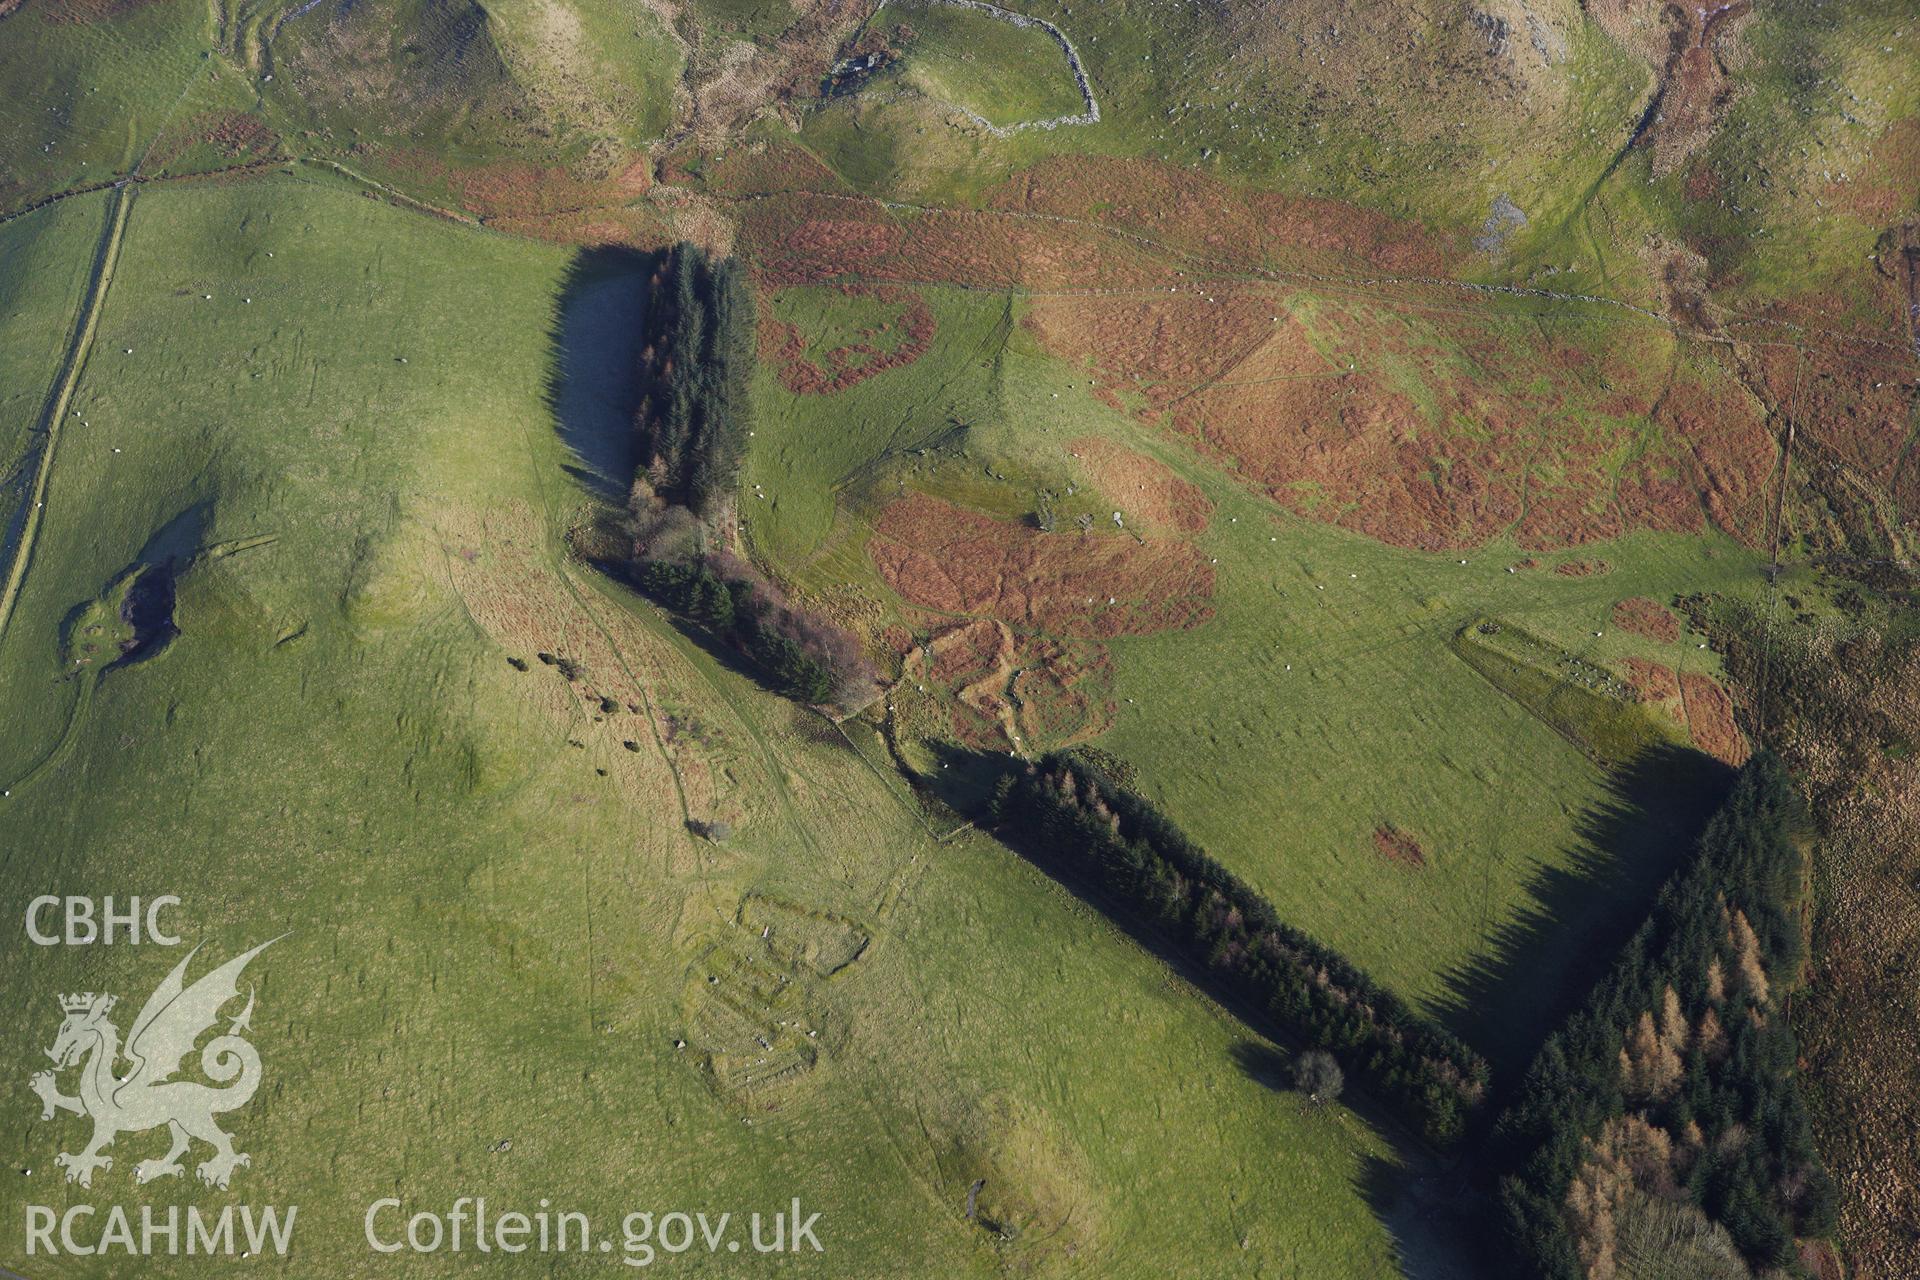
174,1017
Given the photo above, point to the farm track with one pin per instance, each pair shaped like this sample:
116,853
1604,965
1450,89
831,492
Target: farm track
60,398
1378,288
770,761
286,166
62,747
1777,531
653,720
893,779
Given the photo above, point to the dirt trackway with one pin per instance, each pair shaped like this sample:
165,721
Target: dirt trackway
1380,288
60,399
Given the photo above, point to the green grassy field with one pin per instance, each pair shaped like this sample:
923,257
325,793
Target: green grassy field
348,452
86,101
800,466
48,254
1005,74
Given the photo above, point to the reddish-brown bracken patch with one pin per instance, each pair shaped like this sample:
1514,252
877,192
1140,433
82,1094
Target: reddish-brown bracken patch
229,135
891,343
1064,691
1583,568
1703,183
548,202
1883,188
1862,413
746,171
1441,453
810,238
1216,221
1167,344
1710,719
973,663
1398,847
897,640
638,227
1821,1260
1731,456
1850,399
1651,681
801,240
1069,222
1647,618
527,191
1141,487
1001,692
1414,419
946,558
969,649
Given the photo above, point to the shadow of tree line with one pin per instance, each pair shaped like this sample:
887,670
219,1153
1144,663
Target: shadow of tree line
593,390
593,380
1539,965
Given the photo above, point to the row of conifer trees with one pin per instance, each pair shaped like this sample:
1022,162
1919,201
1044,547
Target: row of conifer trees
696,373
1067,814
691,423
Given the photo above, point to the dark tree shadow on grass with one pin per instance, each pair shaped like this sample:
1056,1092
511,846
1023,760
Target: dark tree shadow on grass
1267,1064
1538,966
962,779
593,390
1430,1208
593,384
1434,1216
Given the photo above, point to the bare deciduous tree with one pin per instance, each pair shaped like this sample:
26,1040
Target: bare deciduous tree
1317,1075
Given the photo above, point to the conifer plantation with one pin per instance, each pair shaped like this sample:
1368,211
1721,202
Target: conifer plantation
1667,1114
